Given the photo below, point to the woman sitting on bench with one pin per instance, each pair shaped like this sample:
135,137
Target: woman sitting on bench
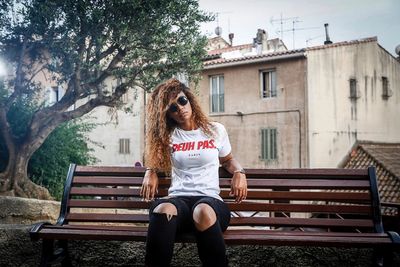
183,142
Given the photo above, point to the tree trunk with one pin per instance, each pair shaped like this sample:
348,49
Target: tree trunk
14,179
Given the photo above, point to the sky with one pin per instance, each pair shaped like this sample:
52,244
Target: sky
347,19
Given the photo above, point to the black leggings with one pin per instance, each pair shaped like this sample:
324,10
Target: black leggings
163,231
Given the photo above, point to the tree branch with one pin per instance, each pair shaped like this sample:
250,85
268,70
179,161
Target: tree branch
107,72
5,130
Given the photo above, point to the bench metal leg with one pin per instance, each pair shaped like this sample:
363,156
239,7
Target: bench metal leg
66,261
383,257
47,252
51,256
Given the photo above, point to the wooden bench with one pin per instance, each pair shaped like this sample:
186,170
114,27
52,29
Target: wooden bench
284,207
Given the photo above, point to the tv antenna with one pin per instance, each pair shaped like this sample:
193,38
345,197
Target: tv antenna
294,29
218,29
308,41
282,21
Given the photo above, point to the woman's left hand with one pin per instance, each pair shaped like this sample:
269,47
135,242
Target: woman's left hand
239,187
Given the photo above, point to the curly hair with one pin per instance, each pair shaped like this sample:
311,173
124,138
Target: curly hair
160,126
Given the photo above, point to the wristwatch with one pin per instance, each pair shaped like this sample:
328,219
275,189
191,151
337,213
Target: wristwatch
240,170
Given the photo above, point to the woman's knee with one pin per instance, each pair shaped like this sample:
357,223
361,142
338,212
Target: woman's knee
167,208
204,216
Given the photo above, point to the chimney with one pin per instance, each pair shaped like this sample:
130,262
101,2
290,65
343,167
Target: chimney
328,40
231,35
259,41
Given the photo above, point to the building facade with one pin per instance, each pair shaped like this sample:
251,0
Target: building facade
303,108
282,108
353,93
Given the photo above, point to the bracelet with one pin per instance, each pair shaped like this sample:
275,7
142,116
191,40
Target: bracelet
150,169
241,171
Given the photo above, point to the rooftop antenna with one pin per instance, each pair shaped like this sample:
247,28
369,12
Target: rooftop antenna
294,29
281,21
308,41
218,29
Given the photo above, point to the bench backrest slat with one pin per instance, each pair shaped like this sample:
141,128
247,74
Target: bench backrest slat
324,199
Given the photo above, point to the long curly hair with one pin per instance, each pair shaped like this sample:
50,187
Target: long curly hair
160,126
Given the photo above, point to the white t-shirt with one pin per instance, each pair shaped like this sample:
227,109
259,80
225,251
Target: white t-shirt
195,161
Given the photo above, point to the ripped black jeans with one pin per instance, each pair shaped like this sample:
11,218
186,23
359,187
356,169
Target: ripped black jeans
163,230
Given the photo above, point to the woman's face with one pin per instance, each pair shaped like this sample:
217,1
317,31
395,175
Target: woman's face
180,110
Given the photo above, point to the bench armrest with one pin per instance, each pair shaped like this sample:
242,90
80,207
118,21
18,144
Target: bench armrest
33,233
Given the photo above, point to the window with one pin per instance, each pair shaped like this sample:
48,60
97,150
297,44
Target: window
386,92
125,98
124,146
54,94
269,144
353,89
268,84
217,93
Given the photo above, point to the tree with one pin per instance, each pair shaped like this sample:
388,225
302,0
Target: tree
79,44
49,164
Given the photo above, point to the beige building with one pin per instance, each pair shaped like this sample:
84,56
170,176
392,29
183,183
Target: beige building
118,137
282,108
302,108
353,93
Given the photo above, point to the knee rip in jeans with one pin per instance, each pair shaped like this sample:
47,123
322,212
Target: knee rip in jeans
166,208
204,216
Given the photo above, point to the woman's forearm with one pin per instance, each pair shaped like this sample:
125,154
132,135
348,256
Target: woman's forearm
232,165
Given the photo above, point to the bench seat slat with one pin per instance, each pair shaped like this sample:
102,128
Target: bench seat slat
230,231
231,237
305,222
325,241
101,217
323,208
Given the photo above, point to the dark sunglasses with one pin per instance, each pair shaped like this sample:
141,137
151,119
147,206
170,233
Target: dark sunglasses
182,101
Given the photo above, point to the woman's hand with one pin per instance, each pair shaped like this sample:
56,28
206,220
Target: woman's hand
239,187
149,185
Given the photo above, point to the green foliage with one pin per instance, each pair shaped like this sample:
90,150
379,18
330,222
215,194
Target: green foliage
49,164
156,39
80,45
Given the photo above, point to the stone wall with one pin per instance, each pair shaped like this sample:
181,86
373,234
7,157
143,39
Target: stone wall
15,210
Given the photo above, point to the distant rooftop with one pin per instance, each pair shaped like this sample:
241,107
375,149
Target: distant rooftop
272,49
386,158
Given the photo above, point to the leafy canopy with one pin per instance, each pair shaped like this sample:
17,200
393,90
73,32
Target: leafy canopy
82,42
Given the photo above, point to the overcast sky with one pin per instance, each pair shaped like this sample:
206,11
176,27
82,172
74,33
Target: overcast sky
348,20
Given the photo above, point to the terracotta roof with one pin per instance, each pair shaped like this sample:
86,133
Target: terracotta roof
386,158
255,57
228,49
215,61
345,43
